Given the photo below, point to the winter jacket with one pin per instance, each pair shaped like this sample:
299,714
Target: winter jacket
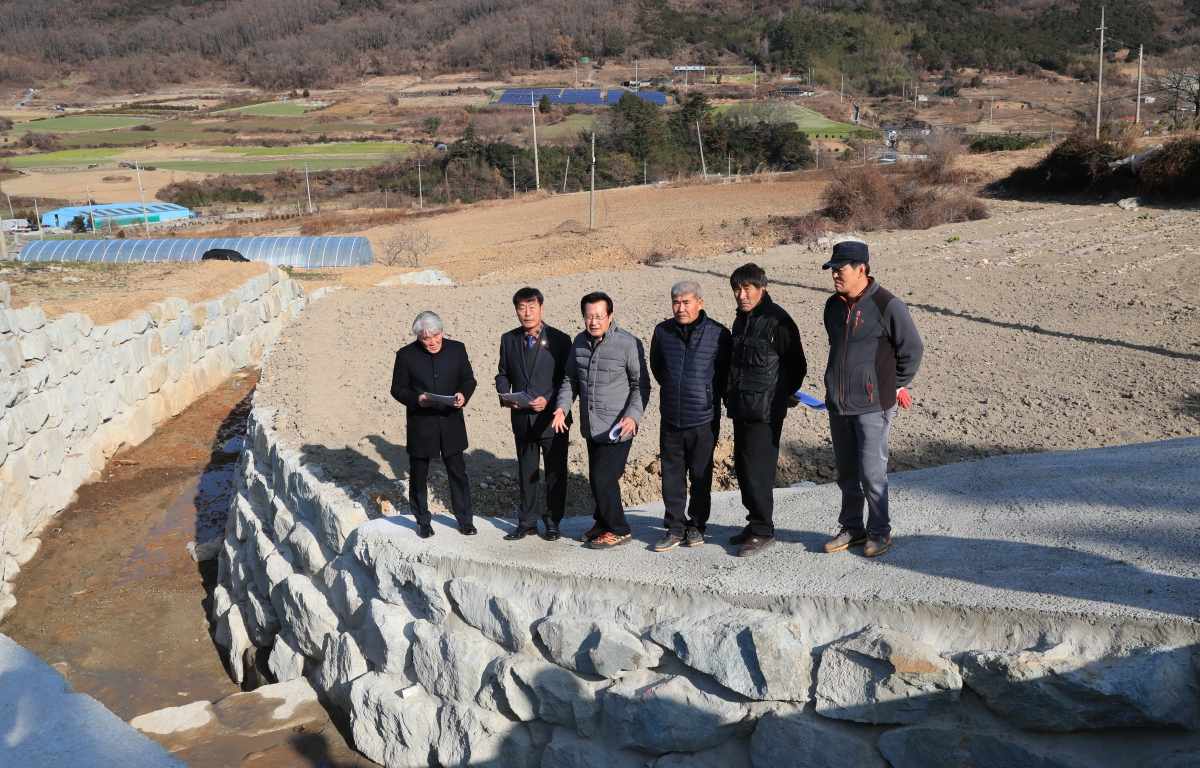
874,349
438,429
767,365
611,382
691,373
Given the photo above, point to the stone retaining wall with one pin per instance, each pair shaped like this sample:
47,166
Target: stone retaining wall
451,661
74,393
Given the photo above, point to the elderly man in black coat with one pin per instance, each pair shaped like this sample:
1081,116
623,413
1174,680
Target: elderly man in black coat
435,366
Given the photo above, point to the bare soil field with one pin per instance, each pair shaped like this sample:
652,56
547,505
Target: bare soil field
1047,327
109,292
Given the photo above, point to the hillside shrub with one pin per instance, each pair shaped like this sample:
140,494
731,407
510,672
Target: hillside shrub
1078,165
1174,172
1010,142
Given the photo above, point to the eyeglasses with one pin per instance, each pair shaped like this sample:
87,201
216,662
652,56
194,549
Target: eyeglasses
593,318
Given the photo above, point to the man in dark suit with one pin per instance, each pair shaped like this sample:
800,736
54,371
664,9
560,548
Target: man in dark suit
533,360
434,365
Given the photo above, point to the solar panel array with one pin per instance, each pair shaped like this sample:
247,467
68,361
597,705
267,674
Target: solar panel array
580,96
654,97
302,252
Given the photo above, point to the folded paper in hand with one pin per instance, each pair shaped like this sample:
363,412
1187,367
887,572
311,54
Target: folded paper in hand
810,401
521,399
614,434
442,399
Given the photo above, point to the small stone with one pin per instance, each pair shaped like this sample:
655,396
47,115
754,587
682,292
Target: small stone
173,720
286,662
920,747
596,645
881,676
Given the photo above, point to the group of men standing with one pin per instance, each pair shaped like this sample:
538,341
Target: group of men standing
755,370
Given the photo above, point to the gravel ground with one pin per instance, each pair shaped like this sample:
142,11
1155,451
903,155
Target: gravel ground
1047,327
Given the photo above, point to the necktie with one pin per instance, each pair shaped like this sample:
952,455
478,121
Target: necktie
530,340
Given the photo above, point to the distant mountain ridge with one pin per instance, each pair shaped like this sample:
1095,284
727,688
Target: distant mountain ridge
280,44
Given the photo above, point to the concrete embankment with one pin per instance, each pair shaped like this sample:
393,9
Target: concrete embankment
1027,616
73,393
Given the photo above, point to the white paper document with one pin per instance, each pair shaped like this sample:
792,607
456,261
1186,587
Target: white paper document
614,434
442,399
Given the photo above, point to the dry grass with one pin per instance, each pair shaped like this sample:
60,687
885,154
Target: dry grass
1078,165
870,198
1173,173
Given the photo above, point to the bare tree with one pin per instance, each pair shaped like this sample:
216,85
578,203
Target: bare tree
407,245
1177,79
943,148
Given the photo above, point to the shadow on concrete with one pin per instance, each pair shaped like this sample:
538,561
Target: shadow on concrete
936,310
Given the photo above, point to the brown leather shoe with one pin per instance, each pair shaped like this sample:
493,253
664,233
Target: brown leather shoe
756,544
846,538
876,545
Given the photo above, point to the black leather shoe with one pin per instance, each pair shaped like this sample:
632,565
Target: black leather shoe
467,530
552,532
519,533
425,531
738,539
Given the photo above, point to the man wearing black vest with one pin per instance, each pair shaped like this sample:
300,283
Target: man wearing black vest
767,368
874,353
689,357
533,361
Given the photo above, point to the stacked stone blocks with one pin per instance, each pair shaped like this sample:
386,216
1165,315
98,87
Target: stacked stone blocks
74,393
443,661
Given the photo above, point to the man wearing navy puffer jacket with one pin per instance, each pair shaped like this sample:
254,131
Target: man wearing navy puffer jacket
689,357
874,353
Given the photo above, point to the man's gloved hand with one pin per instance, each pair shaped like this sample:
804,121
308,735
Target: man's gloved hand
903,398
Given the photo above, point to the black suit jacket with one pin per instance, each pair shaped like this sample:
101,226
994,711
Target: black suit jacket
544,379
439,429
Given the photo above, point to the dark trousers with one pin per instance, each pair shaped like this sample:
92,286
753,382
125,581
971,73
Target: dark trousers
606,465
755,457
860,453
460,488
684,452
553,451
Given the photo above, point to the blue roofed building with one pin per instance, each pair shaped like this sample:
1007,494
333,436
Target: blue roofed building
104,215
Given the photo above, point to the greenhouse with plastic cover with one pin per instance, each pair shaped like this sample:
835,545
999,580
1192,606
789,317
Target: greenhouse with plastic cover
299,252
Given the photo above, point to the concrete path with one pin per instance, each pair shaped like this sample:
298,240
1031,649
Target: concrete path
43,722
1111,533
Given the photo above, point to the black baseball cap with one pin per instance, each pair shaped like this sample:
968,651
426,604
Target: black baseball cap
846,252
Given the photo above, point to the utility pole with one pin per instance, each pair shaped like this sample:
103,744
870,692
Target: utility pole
420,187
11,215
728,165
91,214
565,172
1100,73
38,215
385,198
308,187
842,92
142,191
992,111
644,172
916,90
577,74
1137,118
700,141
514,166
592,198
635,74
756,79
537,176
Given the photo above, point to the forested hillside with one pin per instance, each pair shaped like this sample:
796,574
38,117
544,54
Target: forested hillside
278,44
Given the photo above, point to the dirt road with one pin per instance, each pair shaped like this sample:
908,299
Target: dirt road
1046,327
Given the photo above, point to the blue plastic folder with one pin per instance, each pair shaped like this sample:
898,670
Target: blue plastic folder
810,401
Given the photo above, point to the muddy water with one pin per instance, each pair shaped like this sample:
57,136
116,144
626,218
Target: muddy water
115,602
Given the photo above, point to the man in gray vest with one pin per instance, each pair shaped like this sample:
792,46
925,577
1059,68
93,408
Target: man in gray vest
606,370
689,357
767,369
874,352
